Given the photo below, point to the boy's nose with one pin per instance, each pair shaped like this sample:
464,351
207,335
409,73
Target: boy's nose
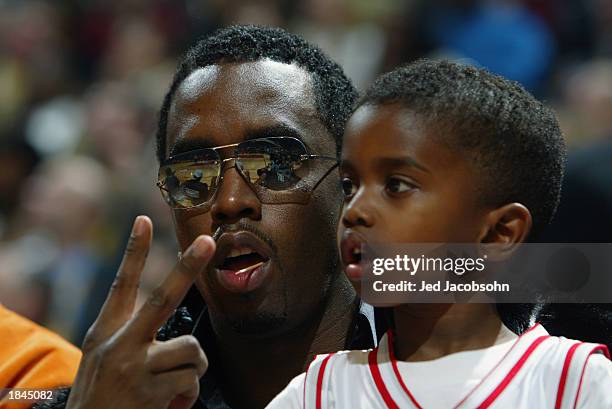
358,213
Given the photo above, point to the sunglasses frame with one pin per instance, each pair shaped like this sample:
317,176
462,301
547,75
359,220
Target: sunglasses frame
302,196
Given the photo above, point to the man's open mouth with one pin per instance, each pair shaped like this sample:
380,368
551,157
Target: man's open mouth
241,262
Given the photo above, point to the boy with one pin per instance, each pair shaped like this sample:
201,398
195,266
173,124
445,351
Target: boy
443,153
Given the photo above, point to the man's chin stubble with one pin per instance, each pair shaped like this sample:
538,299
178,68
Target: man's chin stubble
260,324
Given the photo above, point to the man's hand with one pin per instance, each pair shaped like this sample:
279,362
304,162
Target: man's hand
123,366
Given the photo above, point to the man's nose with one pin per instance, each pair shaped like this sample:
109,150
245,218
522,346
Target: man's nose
234,200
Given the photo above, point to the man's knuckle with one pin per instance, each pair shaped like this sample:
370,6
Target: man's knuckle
90,341
110,350
121,282
194,379
159,298
102,356
122,365
189,379
132,247
187,265
191,344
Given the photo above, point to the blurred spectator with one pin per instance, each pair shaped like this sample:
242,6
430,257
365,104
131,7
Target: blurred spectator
55,127
586,102
603,26
503,36
340,28
17,161
34,64
115,130
61,208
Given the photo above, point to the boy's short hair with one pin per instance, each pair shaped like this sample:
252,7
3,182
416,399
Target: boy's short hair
513,139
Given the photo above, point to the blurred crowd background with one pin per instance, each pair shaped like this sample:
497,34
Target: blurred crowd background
81,82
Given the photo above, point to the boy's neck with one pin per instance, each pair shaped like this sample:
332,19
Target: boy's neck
429,331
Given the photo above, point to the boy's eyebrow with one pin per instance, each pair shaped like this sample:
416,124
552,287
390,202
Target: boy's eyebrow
389,163
397,162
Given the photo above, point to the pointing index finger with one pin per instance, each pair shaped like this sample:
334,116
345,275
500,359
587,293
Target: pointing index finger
167,296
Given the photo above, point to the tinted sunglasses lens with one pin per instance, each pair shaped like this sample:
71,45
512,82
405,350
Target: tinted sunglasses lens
272,163
193,183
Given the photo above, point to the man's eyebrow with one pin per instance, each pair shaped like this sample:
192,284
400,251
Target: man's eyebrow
189,144
403,161
192,144
274,131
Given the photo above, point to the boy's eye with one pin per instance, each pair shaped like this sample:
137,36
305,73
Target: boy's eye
397,185
348,187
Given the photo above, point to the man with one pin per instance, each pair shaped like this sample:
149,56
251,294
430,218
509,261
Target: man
244,102
270,84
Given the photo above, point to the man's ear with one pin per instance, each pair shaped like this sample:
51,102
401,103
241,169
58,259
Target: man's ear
507,226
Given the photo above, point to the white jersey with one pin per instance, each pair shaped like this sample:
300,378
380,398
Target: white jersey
537,371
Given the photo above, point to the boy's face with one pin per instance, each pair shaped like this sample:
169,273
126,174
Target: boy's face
403,185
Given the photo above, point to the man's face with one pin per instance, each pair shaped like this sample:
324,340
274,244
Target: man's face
230,103
404,185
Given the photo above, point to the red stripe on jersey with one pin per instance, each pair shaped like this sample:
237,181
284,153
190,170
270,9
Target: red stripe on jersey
605,351
519,364
497,365
380,384
396,371
603,348
305,379
320,380
563,378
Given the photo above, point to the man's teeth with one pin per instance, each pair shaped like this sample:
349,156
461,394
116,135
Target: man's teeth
240,252
244,270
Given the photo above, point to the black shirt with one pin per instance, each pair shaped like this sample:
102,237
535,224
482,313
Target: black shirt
368,327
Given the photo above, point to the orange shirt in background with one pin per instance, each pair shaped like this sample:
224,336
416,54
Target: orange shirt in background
33,357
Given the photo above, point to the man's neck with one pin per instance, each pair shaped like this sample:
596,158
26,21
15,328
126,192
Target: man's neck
252,372
430,331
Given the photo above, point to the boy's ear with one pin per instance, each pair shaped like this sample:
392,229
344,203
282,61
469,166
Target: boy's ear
507,226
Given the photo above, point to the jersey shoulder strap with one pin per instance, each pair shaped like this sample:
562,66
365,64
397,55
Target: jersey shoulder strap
316,375
333,374
576,356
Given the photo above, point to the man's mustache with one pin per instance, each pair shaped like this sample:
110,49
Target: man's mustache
244,226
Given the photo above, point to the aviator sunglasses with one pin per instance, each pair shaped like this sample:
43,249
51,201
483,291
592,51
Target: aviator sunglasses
278,169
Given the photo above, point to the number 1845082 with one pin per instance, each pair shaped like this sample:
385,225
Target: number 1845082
25,395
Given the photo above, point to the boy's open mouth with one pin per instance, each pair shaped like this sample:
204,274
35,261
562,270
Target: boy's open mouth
351,250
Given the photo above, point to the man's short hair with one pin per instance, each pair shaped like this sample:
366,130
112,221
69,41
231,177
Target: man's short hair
334,93
513,139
